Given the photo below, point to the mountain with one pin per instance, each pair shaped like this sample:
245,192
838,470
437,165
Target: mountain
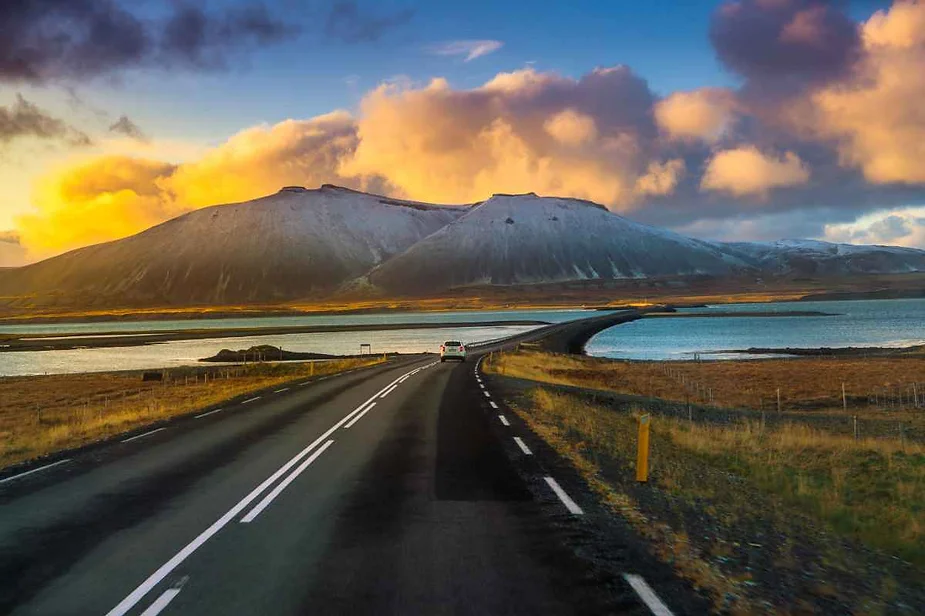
524,239
306,245
293,244
806,258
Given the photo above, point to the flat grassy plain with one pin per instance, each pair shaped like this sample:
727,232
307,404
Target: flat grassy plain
40,415
790,513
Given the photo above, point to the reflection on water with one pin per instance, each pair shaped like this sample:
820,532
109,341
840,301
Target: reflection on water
888,323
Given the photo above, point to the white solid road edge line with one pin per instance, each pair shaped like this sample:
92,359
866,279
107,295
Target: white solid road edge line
647,595
209,413
126,440
523,446
504,420
565,498
35,470
368,408
269,498
161,602
164,570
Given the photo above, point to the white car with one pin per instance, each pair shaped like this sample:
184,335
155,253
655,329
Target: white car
452,349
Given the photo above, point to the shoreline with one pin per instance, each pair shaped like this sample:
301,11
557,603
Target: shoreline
12,343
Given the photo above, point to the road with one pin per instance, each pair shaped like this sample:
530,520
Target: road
386,490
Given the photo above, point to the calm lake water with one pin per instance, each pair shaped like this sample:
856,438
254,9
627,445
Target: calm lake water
187,352
887,323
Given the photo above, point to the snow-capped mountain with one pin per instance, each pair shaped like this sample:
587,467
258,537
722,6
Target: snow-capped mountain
818,258
289,245
307,244
524,239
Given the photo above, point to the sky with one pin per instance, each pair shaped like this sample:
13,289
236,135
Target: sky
740,120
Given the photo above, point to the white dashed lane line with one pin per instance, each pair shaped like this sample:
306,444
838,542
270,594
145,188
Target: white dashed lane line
164,600
368,408
35,470
269,498
571,505
492,403
487,395
200,416
249,400
504,420
523,446
388,391
279,391
647,595
142,435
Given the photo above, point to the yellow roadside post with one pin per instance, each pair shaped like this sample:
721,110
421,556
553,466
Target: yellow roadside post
642,453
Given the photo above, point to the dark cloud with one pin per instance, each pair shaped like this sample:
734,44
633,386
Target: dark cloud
125,126
46,40
10,237
785,42
25,119
891,228
347,22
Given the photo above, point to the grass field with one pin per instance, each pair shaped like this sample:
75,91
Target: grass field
717,490
43,414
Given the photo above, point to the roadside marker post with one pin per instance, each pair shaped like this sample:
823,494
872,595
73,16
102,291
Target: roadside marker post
642,453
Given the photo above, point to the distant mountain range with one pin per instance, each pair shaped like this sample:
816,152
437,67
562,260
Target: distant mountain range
307,244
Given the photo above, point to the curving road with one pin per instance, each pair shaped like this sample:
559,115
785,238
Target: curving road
386,490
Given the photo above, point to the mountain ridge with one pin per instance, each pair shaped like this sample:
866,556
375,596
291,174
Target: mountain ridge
305,244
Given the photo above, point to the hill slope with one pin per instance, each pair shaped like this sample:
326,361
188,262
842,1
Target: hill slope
524,239
284,246
816,258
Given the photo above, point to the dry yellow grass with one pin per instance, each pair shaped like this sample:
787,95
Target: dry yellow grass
871,491
43,414
871,384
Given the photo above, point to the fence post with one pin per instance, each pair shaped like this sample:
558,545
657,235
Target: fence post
778,400
642,450
844,399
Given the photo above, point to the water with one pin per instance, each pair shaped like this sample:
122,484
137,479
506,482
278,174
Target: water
188,352
886,323
400,318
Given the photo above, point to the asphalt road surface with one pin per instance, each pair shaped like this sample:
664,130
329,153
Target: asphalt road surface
385,490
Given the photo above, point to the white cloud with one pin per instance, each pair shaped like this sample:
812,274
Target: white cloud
471,49
897,227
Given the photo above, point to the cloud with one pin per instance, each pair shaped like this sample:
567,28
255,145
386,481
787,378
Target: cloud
125,126
347,22
784,43
105,198
660,178
875,116
470,49
67,40
746,171
901,227
704,114
12,253
571,128
521,131
25,119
